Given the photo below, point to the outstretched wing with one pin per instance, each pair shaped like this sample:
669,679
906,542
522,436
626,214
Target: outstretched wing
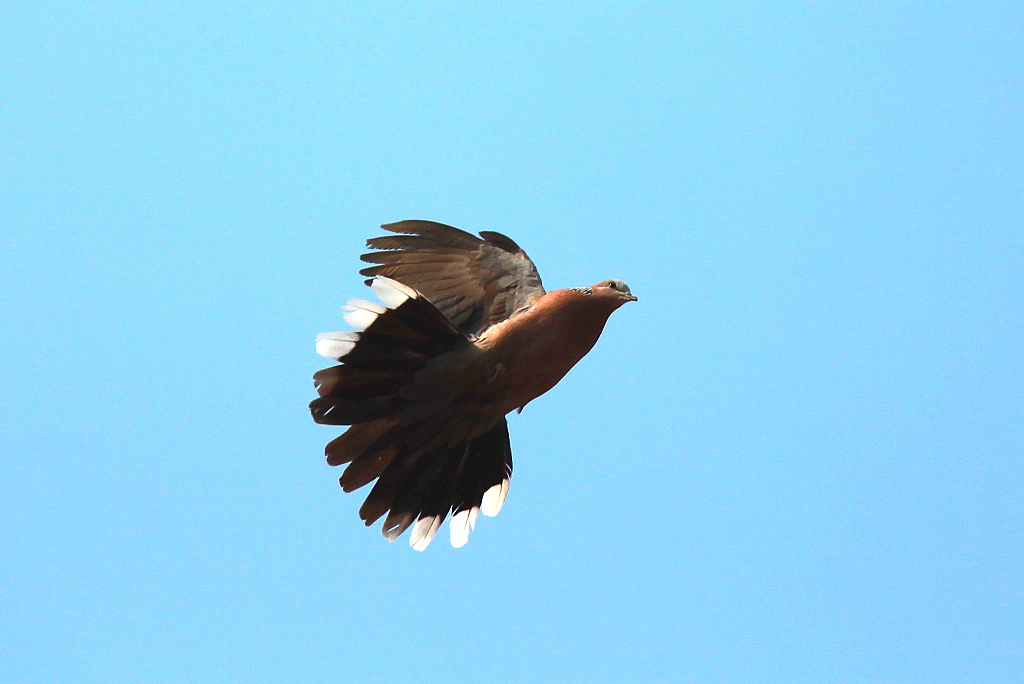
475,282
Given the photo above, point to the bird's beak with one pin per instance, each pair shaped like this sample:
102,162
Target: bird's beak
631,298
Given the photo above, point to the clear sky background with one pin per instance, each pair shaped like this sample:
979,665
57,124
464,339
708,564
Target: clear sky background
796,459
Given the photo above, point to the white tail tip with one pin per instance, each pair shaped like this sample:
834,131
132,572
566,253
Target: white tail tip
391,292
494,499
361,314
423,532
335,345
462,524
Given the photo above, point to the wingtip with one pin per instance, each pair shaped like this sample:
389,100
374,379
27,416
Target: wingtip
405,227
501,240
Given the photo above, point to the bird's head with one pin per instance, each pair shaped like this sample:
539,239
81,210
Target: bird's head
614,290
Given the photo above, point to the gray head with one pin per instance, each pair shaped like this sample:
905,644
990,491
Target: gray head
616,289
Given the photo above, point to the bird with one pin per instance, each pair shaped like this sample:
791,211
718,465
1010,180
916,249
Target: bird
465,334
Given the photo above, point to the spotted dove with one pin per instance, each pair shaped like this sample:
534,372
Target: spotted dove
465,334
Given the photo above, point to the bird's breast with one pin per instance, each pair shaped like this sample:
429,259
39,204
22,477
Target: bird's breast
531,352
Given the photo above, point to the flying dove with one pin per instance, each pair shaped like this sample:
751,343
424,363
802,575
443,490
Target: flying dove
464,334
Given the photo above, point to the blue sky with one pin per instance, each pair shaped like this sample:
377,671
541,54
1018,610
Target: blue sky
796,459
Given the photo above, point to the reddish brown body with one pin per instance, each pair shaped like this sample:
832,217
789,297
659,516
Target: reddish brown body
538,347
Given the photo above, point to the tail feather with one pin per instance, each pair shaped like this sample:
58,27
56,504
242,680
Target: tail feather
433,484
356,441
408,502
336,410
429,458
488,464
362,383
488,461
368,467
380,360
388,486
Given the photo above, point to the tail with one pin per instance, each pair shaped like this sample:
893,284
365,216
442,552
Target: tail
428,455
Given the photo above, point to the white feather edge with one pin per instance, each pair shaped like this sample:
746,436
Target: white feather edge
494,499
399,525
361,314
461,525
423,532
391,292
335,345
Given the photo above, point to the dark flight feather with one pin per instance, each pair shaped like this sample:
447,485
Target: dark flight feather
474,282
407,432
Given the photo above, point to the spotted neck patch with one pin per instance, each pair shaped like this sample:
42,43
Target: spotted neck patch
584,290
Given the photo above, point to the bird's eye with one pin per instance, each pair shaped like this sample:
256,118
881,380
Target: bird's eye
613,285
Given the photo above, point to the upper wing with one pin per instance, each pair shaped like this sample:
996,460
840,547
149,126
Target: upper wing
476,283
